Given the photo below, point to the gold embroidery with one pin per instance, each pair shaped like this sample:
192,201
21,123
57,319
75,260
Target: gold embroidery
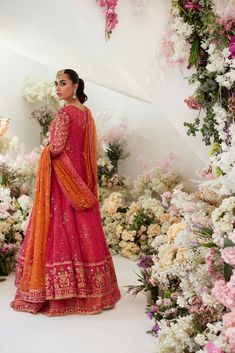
59,132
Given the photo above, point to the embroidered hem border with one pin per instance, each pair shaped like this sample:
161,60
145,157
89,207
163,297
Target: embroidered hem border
71,279
80,306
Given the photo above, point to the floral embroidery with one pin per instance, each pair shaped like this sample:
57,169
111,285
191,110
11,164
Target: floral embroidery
59,132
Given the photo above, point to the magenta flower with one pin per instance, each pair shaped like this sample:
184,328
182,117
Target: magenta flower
193,104
102,3
112,20
232,47
192,6
145,262
110,14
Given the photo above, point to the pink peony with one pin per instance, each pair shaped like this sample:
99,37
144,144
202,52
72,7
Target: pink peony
225,292
211,261
228,255
173,211
231,236
166,197
229,329
206,174
211,348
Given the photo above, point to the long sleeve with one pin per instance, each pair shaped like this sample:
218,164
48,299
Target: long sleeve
59,132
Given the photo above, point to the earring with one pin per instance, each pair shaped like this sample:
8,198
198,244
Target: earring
74,95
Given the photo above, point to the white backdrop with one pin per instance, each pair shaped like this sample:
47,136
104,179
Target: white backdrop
37,39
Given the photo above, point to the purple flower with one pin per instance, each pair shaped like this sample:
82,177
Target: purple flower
155,328
4,250
145,262
150,315
152,311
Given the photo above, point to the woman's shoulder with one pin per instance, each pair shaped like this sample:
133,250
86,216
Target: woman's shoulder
74,108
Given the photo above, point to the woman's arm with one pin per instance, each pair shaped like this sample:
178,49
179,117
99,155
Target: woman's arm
59,132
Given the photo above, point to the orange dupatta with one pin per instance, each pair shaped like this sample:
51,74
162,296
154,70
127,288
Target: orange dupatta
32,283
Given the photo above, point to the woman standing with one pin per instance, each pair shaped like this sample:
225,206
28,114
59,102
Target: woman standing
64,265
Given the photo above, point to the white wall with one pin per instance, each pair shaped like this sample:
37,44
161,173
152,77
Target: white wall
151,133
14,67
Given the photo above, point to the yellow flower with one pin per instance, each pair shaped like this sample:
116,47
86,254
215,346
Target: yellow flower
10,220
154,229
128,235
165,217
119,229
180,256
173,230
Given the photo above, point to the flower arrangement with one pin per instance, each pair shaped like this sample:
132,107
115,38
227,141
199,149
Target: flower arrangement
203,38
193,262
42,92
44,117
115,144
186,313
111,20
133,228
155,179
14,217
17,174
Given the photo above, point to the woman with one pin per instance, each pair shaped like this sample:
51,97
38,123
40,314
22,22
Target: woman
64,265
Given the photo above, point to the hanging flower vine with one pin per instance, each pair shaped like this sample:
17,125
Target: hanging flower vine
109,7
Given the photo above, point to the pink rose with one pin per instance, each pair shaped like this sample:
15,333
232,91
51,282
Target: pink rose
167,301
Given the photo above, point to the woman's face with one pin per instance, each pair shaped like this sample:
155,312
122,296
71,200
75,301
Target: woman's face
64,87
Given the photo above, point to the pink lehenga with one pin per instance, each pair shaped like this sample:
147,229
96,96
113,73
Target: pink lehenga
65,266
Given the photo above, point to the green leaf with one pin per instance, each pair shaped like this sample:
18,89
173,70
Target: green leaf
228,271
228,243
209,245
195,52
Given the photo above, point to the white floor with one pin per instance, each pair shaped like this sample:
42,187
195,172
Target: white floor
120,330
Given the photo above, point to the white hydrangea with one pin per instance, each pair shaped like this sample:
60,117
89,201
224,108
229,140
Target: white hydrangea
181,31
227,80
25,202
222,219
217,59
176,337
39,91
24,224
221,118
185,238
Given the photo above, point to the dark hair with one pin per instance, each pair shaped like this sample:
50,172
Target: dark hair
75,79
